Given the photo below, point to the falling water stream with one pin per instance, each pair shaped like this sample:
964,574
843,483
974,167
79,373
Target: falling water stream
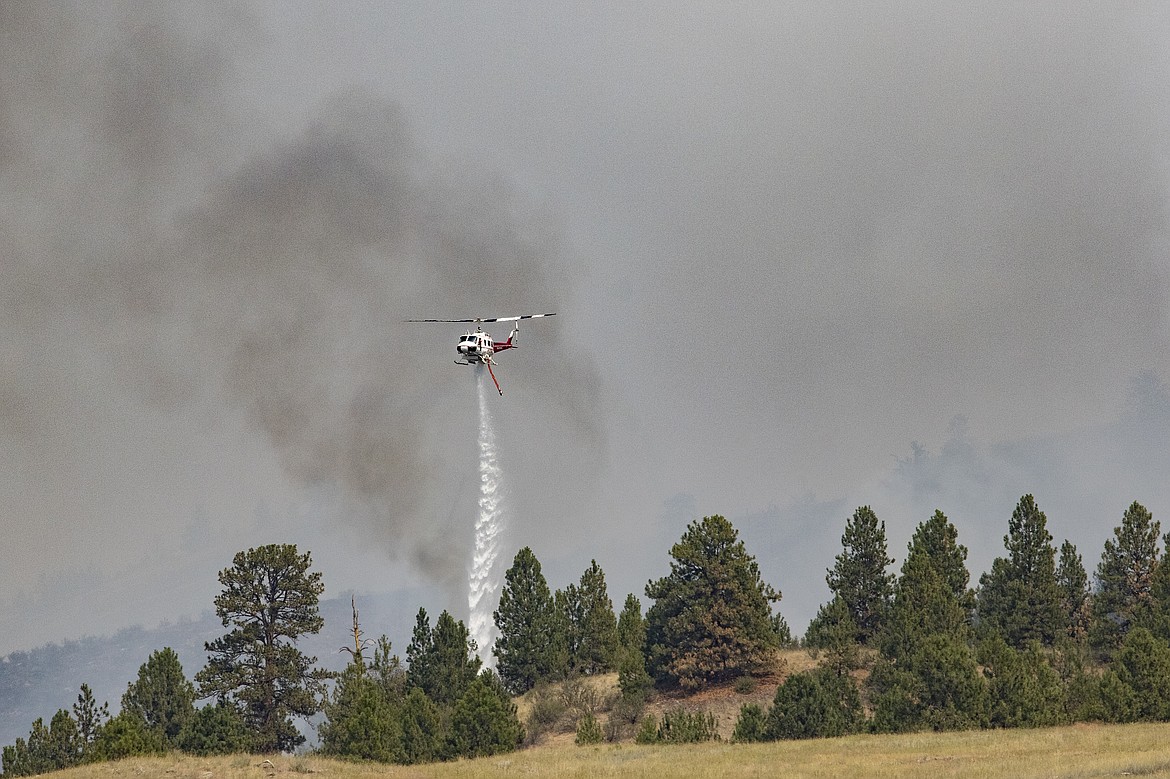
484,582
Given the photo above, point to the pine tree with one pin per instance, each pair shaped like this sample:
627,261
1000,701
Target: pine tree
1018,597
423,733
859,575
161,696
1124,593
711,619
751,724
937,539
1156,619
530,647
64,744
834,631
1137,686
1024,691
934,685
362,722
484,721
126,735
89,717
218,729
443,661
592,626
814,704
270,599
631,627
925,604
1073,583
926,676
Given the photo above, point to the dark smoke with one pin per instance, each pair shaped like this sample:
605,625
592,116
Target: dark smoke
165,245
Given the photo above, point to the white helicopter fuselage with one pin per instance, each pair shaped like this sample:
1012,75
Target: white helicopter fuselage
478,347
475,347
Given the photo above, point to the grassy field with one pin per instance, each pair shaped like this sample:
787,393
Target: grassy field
1077,751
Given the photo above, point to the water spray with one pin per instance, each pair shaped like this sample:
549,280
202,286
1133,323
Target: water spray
484,582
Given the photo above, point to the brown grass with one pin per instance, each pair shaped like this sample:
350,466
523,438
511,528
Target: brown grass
1075,752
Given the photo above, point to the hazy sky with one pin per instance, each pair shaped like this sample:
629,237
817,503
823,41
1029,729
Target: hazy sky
804,257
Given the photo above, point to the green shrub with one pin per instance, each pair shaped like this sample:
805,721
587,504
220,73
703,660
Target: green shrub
589,731
815,704
751,724
680,726
647,731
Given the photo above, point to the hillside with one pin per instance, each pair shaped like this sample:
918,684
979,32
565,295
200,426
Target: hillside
1075,751
600,694
38,682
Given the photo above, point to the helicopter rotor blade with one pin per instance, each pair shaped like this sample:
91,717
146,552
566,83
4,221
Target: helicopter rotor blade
484,319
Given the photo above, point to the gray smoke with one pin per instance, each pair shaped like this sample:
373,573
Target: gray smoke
168,253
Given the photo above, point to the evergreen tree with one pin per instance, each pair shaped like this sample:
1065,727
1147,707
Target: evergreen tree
64,745
592,626
1024,691
218,729
633,679
751,725
423,733
126,735
89,717
859,575
834,631
419,651
362,722
588,730
814,704
270,599
935,685
386,669
484,721
161,696
1137,687
711,619
1018,597
31,757
631,627
1073,584
937,540
925,604
530,647
1124,578
1156,618
443,661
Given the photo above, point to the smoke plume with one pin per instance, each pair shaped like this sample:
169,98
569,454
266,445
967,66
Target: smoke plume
171,250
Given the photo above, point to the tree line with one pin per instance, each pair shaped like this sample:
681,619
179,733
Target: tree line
1035,643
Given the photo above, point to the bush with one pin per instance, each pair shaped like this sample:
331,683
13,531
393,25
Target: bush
127,736
750,726
626,713
815,704
588,731
548,710
746,685
633,679
680,726
215,730
647,731
580,697
484,720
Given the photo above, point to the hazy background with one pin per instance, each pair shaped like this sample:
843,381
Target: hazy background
804,257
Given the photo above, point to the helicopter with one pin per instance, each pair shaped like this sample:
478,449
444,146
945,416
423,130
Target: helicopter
478,348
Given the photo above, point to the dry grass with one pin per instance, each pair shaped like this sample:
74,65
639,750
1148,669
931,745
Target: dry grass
1076,752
